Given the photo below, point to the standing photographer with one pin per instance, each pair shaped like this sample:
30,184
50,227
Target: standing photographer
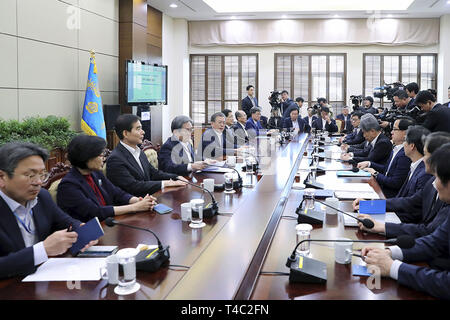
368,105
412,89
437,115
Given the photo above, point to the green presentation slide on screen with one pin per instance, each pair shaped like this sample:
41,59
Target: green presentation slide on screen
146,83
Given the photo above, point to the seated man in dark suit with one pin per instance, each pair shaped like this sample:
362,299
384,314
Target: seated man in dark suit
393,174
413,146
249,101
356,136
310,118
240,134
425,210
85,193
253,125
378,147
325,123
128,168
437,115
177,153
215,142
32,227
345,117
436,245
296,123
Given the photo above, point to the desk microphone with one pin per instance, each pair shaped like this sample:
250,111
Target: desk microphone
236,184
208,212
307,270
366,222
146,260
255,169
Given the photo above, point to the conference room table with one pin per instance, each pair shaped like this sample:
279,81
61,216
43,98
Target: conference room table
223,260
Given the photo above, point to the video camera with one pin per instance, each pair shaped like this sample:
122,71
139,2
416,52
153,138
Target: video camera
356,101
388,90
275,99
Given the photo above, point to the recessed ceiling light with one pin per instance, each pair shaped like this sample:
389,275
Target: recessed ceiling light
389,15
229,6
173,5
232,17
283,16
336,16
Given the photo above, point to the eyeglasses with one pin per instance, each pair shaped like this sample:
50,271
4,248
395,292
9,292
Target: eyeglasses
33,177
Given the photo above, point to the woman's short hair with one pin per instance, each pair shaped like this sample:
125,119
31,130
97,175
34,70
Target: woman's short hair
83,148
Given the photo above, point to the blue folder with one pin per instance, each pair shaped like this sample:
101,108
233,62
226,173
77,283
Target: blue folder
92,230
372,206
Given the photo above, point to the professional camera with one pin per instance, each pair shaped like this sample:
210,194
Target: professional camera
388,90
274,99
356,101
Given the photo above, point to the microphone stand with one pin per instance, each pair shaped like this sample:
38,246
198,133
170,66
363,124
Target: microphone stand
214,209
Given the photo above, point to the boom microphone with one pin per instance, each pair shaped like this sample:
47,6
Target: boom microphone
366,222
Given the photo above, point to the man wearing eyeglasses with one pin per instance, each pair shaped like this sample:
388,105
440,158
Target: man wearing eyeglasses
391,175
177,153
32,227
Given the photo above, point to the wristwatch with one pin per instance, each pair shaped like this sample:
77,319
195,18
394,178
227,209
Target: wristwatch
375,174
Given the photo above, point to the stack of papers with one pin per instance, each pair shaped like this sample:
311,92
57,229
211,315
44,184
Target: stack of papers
352,195
68,269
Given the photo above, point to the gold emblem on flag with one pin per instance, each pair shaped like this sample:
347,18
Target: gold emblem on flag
91,85
92,107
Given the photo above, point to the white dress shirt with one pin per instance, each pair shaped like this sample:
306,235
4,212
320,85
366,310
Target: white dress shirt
375,140
396,150
136,153
414,166
295,124
30,238
219,135
252,100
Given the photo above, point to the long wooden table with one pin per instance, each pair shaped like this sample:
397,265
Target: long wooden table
225,257
340,282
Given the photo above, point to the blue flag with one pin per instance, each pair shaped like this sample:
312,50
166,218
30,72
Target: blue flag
92,121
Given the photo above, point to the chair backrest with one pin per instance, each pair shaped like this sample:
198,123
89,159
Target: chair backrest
149,145
53,189
152,157
151,151
56,173
340,125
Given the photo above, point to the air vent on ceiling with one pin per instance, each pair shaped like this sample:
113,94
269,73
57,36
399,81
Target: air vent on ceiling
184,4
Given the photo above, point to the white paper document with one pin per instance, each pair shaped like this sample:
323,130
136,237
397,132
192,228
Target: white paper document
68,269
352,195
349,221
354,187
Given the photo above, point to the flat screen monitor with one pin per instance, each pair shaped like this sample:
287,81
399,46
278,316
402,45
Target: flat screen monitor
146,84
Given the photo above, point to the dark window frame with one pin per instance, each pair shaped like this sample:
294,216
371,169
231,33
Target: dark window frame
222,101
310,100
400,55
